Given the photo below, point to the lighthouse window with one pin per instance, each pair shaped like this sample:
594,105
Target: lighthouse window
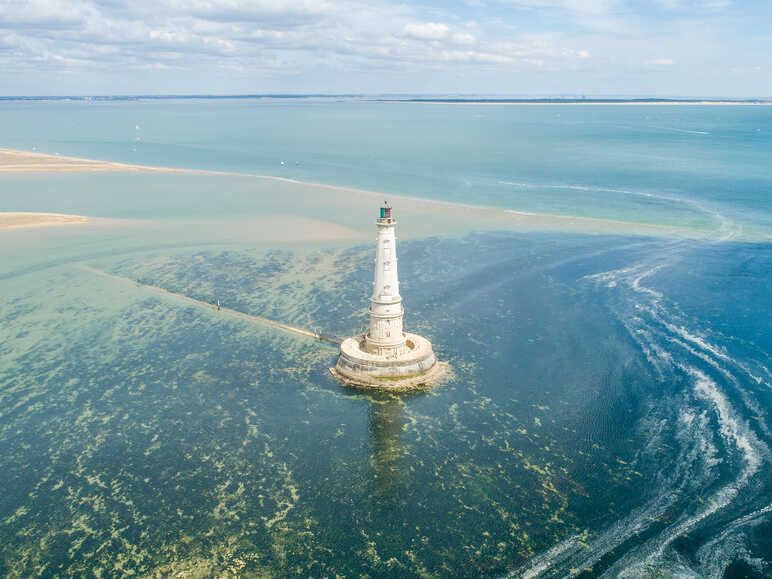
387,265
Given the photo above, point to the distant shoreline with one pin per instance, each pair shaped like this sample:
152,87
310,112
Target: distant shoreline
548,101
758,101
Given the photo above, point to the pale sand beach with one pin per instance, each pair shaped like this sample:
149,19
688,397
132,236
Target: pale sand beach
14,161
273,229
19,220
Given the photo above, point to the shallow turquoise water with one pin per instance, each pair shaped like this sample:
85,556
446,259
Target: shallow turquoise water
701,165
609,406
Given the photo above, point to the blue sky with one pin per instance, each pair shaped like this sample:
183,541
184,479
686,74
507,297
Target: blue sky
513,47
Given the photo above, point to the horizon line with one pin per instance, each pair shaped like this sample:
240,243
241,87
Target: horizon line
404,97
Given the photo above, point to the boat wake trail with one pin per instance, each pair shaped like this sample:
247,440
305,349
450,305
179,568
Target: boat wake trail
706,450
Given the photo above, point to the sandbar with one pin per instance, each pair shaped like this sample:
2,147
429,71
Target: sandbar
14,161
21,220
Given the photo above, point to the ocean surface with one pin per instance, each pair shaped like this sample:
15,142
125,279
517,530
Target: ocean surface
608,412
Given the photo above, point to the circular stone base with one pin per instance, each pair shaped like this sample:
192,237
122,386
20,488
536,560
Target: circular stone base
359,368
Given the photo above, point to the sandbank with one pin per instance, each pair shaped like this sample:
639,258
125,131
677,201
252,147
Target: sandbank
21,220
14,161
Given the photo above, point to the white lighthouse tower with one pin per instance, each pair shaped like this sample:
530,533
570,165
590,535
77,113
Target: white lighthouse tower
386,356
385,337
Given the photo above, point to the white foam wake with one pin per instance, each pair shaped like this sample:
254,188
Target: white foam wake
705,416
692,469
735,433
729,544
716,351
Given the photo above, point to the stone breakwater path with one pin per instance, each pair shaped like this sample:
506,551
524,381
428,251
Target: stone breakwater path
209,306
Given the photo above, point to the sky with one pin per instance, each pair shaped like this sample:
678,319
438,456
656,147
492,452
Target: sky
666,48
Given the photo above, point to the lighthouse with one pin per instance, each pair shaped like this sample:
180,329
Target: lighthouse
385,337
387,357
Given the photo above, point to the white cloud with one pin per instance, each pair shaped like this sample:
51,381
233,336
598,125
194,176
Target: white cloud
463,38
331,40
426,30
473,56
